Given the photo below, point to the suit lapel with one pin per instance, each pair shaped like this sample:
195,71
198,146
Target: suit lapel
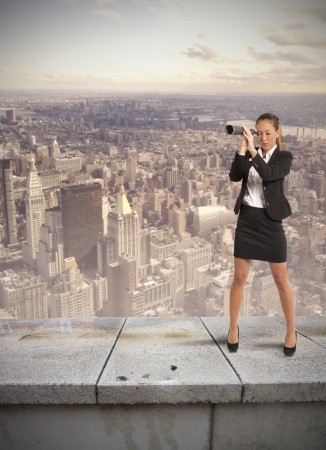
274,155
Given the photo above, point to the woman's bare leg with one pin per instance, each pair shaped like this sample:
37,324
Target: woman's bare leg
241,270
279,272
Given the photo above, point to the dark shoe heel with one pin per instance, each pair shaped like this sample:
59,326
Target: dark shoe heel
233,348
290,351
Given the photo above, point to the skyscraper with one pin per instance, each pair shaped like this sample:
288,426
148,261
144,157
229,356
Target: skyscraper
11,115
122,284
81,206
170,177
7,203
50,251
186,190
131,166
35,205
25,296
123,234
73,295
198,255
55,150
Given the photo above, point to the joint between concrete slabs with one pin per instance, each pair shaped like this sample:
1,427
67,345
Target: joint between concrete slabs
229,362
107,359
280,320
211,424
32,331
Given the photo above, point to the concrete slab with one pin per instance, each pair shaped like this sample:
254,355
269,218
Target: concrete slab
12,330
267,375
167,360
59,362
313,327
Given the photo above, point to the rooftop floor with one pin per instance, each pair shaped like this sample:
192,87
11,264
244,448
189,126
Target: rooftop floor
159,360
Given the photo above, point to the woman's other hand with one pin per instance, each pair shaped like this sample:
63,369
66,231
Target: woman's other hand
249,138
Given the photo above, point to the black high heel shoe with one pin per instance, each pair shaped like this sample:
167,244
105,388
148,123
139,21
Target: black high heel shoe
233,348
290,351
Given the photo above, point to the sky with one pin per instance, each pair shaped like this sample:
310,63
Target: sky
164,46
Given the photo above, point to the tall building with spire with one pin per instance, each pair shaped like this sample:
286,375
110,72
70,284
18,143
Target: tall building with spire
122,238
35,206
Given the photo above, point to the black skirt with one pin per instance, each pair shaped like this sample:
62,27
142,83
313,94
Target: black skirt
259,237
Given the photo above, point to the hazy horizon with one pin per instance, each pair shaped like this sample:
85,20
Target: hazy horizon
159,93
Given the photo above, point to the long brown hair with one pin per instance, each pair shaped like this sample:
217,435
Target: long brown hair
276,123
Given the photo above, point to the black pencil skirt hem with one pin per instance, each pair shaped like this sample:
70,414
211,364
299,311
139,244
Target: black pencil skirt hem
259,237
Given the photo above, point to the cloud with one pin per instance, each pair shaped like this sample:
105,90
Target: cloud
160,3
296,39
69,1
104,2
169,3
162,8
318,74
315,12
290,57
202,36
200,52
108,14
287,80
295,26
318,13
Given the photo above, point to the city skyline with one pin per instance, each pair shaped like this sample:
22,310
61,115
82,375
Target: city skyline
163,46
149,183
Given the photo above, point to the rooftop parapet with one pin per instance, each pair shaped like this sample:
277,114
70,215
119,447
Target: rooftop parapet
151,368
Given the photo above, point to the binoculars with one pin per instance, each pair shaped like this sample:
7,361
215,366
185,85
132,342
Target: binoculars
234,129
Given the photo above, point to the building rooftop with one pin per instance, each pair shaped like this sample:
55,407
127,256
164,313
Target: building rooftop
145,364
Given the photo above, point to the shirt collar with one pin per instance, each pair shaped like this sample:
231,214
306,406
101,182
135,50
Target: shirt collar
268,154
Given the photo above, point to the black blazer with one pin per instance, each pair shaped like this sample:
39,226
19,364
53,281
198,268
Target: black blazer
272,175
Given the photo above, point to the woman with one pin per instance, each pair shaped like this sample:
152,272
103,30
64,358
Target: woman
262,206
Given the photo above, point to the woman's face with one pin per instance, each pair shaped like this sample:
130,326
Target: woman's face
266,134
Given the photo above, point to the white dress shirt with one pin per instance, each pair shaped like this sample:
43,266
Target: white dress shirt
254,192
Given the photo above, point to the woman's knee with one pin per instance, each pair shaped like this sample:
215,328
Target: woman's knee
281,281
240,278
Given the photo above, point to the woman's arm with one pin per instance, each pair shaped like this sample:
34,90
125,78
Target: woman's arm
236,171
279,168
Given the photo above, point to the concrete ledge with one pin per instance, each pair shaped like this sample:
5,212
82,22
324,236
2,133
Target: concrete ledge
58,361
159,360
161,383
265,373
167,360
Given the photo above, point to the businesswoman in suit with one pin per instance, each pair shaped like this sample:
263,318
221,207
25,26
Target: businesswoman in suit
259,233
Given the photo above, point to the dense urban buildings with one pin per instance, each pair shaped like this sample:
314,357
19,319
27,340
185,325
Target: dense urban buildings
121,205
